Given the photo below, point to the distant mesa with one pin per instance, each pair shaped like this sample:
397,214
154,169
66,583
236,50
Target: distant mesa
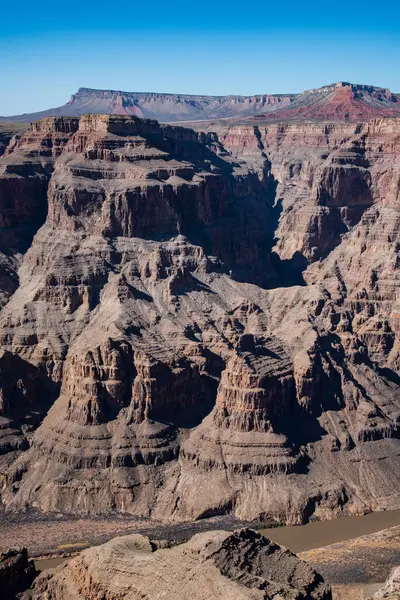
342,101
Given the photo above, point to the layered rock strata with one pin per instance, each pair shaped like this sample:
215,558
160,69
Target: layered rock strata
205,323
7,132
342,101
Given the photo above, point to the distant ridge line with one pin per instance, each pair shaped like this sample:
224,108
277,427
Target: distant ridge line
341,101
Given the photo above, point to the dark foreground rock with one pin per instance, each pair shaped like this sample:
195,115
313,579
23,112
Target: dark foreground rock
241,565
16,573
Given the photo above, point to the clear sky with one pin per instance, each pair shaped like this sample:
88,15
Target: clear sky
50,49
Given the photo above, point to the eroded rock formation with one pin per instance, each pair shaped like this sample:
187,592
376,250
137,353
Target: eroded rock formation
214,565
203,322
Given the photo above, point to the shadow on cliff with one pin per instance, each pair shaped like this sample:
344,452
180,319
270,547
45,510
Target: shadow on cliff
330,376
24,207
289,271
321,393
199,396
243,240
231,212
27,392
190,415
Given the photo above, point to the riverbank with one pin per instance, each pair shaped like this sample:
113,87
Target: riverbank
367,559
357,568
353,553
55,536
51,536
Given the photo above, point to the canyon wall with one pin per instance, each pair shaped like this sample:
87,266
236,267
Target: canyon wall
196,323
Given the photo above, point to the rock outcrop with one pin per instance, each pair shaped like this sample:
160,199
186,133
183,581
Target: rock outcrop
16,573
201,323
391,589
7,132
238,565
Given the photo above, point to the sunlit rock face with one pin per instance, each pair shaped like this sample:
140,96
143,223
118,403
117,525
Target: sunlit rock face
200,323
338,102
241,565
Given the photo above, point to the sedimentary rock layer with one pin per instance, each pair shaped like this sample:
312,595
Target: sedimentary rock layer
202,323
340,101
7,131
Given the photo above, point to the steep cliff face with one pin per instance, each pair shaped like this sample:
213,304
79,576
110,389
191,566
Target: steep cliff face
24,175
328,175
7,132
203,323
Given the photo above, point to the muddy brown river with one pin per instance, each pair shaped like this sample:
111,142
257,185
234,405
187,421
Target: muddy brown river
307,537
323,533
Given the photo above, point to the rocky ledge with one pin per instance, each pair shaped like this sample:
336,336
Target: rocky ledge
240,565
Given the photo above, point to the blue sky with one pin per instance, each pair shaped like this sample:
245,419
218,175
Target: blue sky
50,49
